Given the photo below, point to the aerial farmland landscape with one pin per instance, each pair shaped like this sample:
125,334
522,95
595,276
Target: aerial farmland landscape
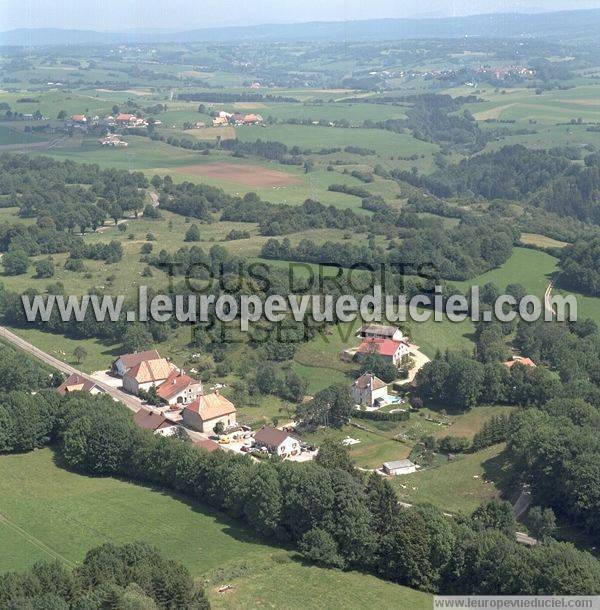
300,310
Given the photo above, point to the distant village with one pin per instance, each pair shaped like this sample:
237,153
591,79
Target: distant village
125,121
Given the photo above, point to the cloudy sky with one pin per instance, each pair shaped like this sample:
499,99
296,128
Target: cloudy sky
188,14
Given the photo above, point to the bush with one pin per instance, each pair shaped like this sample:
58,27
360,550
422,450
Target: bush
44,269
15,262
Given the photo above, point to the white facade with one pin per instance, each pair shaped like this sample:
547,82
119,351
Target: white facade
366,397
399,467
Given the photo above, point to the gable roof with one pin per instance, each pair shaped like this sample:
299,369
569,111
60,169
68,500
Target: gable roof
149,420
268,435
130,360
123,116
369,380
519,360
79,118
76,383
398,464
150,370
210,406
378,329
383,347
174,384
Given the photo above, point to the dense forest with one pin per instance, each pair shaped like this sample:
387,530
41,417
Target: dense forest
580,267
549,179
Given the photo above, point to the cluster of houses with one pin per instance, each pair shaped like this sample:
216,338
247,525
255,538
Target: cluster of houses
183,396
184,404
503,72
227,118
112,139
122,119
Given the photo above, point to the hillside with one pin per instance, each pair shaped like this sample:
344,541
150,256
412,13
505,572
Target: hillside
572,24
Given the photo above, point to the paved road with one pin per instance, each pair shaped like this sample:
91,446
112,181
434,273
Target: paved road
129,401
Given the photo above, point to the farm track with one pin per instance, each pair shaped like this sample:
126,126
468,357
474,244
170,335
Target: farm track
4,520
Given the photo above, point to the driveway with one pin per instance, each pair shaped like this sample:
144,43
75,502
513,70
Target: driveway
420,361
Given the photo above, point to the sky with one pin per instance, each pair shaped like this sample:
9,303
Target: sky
119,15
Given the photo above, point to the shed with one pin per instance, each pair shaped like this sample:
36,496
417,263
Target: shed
399,467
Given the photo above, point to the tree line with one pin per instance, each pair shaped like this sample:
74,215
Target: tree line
134,575
334,514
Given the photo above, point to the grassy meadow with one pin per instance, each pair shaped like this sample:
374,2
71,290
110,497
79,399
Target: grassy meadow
47,513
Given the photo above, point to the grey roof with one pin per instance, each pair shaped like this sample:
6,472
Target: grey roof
379,329
398,464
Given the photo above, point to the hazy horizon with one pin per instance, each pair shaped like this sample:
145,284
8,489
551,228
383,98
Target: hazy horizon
179,15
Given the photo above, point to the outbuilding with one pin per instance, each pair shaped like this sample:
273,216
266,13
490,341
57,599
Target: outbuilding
399,467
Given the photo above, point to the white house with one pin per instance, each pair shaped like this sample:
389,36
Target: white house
179,389
369,390
78,383
277,441
204,413
388,349
399,467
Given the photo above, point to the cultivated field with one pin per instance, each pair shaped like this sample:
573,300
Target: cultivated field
247,175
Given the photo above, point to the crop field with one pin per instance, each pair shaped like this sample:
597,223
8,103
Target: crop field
542,241
247,175
550,107
10,136
47,513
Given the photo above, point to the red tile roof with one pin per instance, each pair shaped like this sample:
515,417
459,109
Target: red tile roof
383,347
523,361
174,384
150,371
207,444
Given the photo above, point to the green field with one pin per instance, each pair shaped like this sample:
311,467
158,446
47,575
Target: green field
386,143
456,487
530,268
48,513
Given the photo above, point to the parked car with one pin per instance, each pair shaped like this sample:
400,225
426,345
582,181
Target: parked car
224,441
